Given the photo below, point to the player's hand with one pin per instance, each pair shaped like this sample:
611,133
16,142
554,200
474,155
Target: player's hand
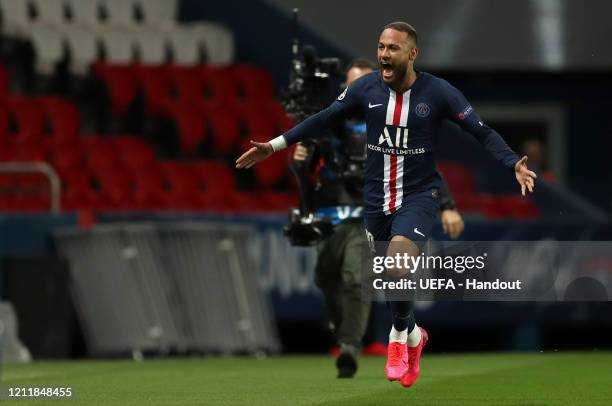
524,176
300,153
452,223
259,152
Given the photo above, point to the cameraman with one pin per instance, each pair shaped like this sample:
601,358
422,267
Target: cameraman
330,175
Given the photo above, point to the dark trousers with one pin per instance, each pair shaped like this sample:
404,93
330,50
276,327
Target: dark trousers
338,274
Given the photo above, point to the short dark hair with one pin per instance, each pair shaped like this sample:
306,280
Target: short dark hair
404,27
361,63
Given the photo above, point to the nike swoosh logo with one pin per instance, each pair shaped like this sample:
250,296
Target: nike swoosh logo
371,106
416,230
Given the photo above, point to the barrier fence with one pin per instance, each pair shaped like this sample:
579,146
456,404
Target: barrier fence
143,287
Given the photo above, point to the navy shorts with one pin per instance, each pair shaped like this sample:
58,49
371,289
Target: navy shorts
413,220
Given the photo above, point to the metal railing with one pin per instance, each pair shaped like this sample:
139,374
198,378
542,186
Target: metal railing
55,184
168,287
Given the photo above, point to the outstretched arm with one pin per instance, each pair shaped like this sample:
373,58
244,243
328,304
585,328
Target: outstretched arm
461,112
313,126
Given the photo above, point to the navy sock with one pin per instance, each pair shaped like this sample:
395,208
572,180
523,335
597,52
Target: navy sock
402,315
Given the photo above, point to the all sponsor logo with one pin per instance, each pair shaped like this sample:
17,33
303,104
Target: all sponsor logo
341,97
401,138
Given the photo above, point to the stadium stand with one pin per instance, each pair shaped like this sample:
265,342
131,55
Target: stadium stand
171,110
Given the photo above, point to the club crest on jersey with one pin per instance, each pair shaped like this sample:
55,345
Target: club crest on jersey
401,138
422,110
341,97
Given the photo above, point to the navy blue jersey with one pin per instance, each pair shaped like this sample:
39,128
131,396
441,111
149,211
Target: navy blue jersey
401,129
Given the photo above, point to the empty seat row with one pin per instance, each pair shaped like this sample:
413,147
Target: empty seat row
82,46
205,103
124,199
18,15
27,119
121,172
462,184
71,154
223,127
168,186
161,84
197,186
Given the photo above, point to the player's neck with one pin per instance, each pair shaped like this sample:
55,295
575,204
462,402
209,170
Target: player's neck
411,77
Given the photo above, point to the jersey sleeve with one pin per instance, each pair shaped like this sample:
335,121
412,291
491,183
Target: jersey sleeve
345,105
460,111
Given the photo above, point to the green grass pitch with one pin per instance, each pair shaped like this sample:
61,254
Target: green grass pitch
475,379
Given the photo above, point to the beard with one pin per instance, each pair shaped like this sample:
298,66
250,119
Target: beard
399,71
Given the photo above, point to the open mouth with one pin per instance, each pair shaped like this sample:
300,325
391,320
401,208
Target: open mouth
387,70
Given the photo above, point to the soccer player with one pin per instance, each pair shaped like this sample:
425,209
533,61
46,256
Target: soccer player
338,267
404,109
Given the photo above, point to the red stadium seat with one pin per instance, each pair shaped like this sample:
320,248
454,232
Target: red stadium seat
283,121
77,190
254,82
273,170
460,179
6,150
191,125
27,116
149,192
184,190
120,84
263,119
4,124
115,190
280,201
27,151
155,85
187,83
259,124
133,152
462,184
102,159
225,126
516,207
91,143
218,183
29,190
214,175
66,160
219,84
62,117
245,202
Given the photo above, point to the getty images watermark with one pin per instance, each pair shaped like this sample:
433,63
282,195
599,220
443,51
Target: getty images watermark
399,264
543,270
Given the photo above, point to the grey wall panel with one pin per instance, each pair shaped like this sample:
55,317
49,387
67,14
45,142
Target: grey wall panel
473,34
